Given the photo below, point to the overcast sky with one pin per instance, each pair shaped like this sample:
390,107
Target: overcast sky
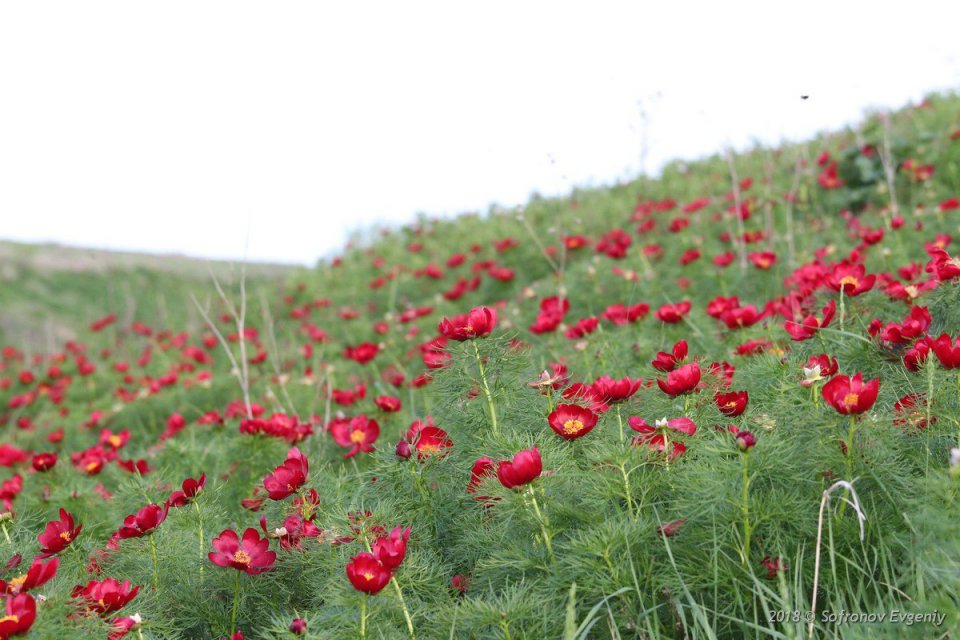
272,129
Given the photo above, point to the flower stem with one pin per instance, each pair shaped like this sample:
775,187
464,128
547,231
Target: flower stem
626,489
6,535
849,460
843,309
403,605
745,507
486,387
363,617
236,602
544,524
153,555
620,422
200,533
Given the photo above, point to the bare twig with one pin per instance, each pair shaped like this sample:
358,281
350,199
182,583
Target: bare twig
226,347
861,517
239,317
739,242
889,168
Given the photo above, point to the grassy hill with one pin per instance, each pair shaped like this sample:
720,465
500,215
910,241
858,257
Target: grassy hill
614,414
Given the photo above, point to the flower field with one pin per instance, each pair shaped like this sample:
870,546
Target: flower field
722,403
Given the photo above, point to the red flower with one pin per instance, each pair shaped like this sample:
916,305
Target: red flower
667,362
773,566
571,421
367,574
144,522
818,368
391,549
38,574
808,327
732,404
482,468
828,178
476,324
657,436
107,596
745,441
44,461
288,477
120,627
947,350
298,626
388,404
670,529
851,279
250,555
58,535
681,381
20,612
525,467
190,490
672,313
428,439
362,353
613,391
358,433
850,396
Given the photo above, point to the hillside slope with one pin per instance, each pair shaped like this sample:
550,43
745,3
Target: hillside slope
608,415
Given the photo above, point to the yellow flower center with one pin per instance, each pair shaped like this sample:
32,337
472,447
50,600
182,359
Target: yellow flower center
66,535
571,427
851,280
115,442
241,557
367,575
428,448
92,466
11,618
851,399
17,582
357,436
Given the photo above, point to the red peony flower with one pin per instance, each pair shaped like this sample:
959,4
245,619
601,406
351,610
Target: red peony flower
809,325
571,421
106,596
288,477
658,435
947,350
19,613
613,391
391,549
525,467
672,313
682,380
58,535
250,555
37,575
44,461
850,396
667,362
358,433
851,279
367,574
144,522
476,324
388,404
190,489
732,404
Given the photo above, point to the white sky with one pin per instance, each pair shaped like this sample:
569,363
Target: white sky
272,129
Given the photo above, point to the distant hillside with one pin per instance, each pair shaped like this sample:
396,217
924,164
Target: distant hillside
48,292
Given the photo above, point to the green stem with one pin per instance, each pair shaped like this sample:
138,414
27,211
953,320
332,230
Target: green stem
747,530
153,555
544,524
403,605
626,489
843,309
363,617
196,506
6,535
236,602
79,557
620,422
849,460
486,387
